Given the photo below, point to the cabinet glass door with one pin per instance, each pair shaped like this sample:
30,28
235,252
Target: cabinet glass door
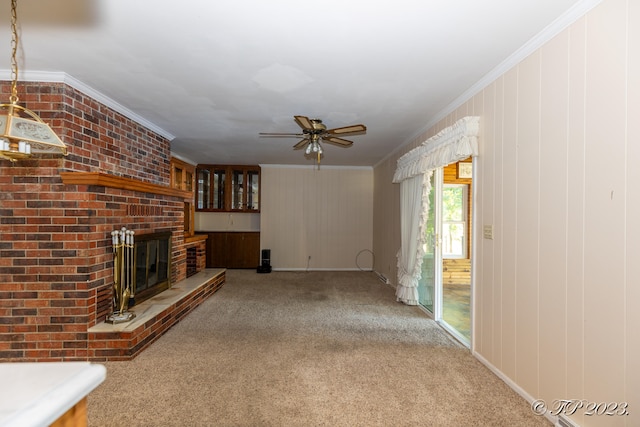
218,188
177,178
237,190
253,190
188,181
204,185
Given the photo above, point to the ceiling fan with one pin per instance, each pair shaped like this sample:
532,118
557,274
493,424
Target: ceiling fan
314,131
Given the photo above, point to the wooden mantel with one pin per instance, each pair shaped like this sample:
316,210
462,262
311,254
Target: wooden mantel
112,181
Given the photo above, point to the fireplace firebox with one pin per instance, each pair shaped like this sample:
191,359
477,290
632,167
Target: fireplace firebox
152,264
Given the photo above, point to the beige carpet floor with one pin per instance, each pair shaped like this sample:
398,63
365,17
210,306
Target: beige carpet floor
305,349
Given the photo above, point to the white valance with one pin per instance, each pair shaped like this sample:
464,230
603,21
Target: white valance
450,145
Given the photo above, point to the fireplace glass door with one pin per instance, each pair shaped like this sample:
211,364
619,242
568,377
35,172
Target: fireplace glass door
152,264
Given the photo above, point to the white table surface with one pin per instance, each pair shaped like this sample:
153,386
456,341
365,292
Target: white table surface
37,394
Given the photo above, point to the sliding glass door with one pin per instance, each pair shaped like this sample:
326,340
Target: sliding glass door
444,287
432,262
456,262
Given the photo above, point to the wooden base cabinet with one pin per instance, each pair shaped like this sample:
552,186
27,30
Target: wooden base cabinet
233,249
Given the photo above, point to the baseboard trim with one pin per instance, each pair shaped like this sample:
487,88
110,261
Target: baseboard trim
508,381
322,269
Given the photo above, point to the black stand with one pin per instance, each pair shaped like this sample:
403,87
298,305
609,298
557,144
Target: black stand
265,262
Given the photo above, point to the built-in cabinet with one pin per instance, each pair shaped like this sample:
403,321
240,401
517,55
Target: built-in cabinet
226,188
233,189
183,177
233,249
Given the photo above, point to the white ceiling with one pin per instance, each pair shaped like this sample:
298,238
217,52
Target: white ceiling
213,74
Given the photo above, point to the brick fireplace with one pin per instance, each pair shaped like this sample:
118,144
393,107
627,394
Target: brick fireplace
56,216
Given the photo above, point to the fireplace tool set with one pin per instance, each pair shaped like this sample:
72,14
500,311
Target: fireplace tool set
123,275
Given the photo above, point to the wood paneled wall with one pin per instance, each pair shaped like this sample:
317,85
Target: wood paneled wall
456,271
317,219
556,289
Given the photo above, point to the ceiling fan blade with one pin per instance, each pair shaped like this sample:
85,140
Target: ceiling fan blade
303,122
280,135
337,141
301,144
347,130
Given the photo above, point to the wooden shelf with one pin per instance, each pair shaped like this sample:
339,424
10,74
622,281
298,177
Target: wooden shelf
195,238
105,180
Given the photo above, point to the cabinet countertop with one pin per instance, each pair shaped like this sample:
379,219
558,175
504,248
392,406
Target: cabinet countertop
37,394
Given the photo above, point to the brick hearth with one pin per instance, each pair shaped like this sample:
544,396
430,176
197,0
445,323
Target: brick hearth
154,316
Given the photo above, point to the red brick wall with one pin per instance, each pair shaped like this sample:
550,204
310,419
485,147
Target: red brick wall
201,255
198,257
55,243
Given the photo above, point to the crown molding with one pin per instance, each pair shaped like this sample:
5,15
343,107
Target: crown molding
314,167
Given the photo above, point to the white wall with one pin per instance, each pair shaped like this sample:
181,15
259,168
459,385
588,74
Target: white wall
227,221
557,288
324,214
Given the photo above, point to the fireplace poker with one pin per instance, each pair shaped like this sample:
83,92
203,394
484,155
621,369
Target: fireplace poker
132,254
116,268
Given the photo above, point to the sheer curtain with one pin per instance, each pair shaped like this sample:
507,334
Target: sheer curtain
413,173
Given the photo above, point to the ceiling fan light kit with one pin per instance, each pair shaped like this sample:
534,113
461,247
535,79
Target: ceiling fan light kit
314,132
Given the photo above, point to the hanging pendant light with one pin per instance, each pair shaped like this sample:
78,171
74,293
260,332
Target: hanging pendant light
22,132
